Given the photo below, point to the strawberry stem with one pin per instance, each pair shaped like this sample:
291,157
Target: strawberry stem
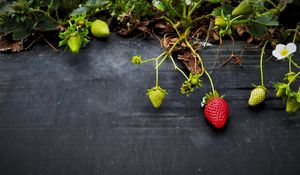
197,55
211,82
261,63
290,63
157,66
156,73
176,67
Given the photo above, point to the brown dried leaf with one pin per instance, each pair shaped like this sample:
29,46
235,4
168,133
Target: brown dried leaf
168,42
5,45
241,30
236,59
190,61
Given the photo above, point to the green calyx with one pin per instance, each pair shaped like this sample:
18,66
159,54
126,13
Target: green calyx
289,77
136,60
280,89
189,85
209,96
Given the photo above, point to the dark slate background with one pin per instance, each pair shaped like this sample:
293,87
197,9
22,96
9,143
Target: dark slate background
62,114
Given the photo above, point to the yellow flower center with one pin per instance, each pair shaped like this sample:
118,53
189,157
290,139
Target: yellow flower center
284,52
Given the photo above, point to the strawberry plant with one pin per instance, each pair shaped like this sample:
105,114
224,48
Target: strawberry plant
180,25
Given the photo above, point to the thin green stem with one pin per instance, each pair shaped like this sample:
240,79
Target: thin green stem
184,10
156,73
295,64
295,35
171,8
165,57
154,59
56,14
190,12
290,63
173,25
243,21
201,17
211,82
197,55
148,60
46,14
261,63
176,67
272,3
174,45
294,78
49,7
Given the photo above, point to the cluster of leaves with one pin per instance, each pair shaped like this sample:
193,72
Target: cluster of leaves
78,26
257,16
23,17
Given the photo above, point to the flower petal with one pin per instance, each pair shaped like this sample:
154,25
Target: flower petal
291,47
279,47
277,54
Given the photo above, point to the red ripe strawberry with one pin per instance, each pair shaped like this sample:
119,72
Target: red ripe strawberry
216,110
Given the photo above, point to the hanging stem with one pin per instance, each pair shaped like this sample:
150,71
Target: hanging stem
153,59
197,55
174,45
290,64
173,25
165,57
261,64
190,12
46,14
156,73
211,82
176,67
295,64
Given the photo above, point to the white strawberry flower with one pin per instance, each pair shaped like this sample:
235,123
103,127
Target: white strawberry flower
282,51
188,2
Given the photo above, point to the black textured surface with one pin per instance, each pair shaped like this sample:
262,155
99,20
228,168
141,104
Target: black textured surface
82,115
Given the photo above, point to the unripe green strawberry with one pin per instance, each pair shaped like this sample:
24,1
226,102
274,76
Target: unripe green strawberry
18,6
244,8
280,92
220,22
74,43
274,11
257,96
99,29
80,23
290,77
156,96
292,105
195,81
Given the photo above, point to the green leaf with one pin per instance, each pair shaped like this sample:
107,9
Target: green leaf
79,11
267,20
227,9
45,24
20,33
257,29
